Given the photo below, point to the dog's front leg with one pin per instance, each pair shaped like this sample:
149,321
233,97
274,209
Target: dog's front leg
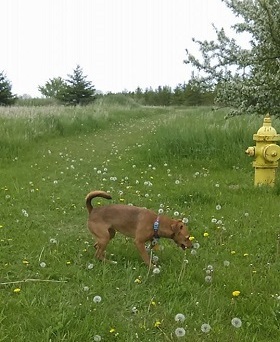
143,252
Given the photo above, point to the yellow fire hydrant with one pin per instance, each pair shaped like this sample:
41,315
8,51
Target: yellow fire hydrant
266,152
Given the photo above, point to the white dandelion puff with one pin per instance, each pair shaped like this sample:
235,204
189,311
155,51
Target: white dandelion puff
97,299
205,328
180,332
236,322
180,317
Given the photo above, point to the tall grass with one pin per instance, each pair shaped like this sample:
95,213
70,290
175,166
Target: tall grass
48,275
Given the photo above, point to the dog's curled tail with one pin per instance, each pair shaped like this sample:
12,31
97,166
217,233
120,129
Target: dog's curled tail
96,193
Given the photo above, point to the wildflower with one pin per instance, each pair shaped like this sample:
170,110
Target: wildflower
138,280
176,213
208,279
157,324
232,252
156,270
245,254
53,240
180,317
226,263
86,288
24,213
193,252
236,322
205,328
160,211
177,182
43,264
1,226
214,220
218,207
90,266
155,259
112,330
68,262
134,310
17,290
191,238
97,338
210,268
196,245
236,293
97,299
205,234
180,332
185,220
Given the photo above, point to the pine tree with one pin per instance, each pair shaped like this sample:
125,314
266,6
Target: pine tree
7,98
77,90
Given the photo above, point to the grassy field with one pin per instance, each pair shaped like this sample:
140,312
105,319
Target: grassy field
188,161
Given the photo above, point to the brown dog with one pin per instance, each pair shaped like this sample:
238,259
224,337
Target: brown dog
135,222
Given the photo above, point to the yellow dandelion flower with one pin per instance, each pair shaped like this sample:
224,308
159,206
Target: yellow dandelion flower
112,330
25,262
1,226
153,303
138,281
236,293
205,234
191,238
232,252
17,290
157,324
245,254
254,271
121,199
68,262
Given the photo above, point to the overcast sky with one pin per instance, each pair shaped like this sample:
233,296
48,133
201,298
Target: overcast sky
120,44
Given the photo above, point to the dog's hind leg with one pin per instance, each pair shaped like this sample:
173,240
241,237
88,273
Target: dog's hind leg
102,242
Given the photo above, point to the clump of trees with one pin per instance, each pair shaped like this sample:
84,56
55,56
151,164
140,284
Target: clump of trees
7,98
247,79
75,90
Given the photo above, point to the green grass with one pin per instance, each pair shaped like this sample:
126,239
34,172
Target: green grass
187,160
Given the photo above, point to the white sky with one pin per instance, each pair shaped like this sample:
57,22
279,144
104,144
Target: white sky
120,44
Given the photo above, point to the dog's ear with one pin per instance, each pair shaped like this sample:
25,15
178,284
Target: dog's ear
176,227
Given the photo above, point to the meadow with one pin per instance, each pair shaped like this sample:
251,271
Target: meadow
189,162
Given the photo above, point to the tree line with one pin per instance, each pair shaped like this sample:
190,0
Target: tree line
245,79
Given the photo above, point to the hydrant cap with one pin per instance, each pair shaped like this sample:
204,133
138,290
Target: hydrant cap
267,129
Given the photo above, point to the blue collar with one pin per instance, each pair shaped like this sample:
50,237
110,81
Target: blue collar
156,236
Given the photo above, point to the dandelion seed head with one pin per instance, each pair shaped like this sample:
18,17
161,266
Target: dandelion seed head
218,207
196,245
43,264
180,332
176,213
208,279
97,299
193,252
160,211
226,263
180,317
185,220
97,338
156,270
236,322
205,328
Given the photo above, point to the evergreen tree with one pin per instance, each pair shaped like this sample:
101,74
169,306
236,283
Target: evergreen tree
247,79
7,98
77,90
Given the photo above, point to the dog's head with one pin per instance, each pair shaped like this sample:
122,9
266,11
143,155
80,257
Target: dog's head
181,236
